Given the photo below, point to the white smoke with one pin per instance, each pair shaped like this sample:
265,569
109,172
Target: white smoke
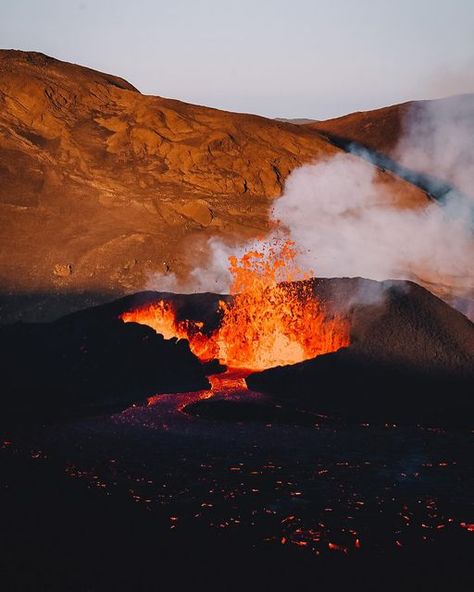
438,139
213,277
346,223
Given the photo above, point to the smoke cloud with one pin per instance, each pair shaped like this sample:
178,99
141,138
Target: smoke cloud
345,223
214,277
438,139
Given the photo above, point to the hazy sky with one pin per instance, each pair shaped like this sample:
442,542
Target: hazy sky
298,58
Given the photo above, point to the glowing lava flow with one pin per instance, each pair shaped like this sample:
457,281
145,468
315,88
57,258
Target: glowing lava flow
272,319
230,382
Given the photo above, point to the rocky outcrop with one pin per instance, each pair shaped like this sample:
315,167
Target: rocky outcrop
102,187
85,366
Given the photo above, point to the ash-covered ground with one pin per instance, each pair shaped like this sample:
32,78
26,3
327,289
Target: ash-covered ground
155,494
107,486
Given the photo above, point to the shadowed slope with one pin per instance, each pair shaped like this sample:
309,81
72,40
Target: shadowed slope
411,359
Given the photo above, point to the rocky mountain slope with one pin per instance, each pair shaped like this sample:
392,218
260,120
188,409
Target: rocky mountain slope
379,129
405,131
101,186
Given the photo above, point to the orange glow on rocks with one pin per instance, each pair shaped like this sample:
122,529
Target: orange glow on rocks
270,321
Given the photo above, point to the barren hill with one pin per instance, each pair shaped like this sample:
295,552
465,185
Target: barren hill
101,186
383,129
379,129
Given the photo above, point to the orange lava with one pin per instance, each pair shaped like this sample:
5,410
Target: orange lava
271,320
228,382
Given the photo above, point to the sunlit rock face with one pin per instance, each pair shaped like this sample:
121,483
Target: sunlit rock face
102,187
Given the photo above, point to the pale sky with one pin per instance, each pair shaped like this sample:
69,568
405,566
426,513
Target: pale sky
299,58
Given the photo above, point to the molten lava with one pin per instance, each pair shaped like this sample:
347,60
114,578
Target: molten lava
272,320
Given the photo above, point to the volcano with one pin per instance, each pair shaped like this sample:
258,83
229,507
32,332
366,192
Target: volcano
121,437
398,353
266,323
294,429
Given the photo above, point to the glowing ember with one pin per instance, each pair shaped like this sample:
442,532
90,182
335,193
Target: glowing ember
270,321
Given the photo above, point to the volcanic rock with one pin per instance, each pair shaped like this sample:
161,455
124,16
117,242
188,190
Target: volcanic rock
392,321
201,307
68,367
411,359
240,410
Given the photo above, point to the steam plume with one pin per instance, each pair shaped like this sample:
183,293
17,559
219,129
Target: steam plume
344,222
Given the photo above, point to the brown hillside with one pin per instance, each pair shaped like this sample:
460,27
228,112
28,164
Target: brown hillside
379,129
382,129
101,186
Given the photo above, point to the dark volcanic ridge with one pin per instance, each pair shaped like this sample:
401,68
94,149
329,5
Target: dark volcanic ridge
67,368
411,359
